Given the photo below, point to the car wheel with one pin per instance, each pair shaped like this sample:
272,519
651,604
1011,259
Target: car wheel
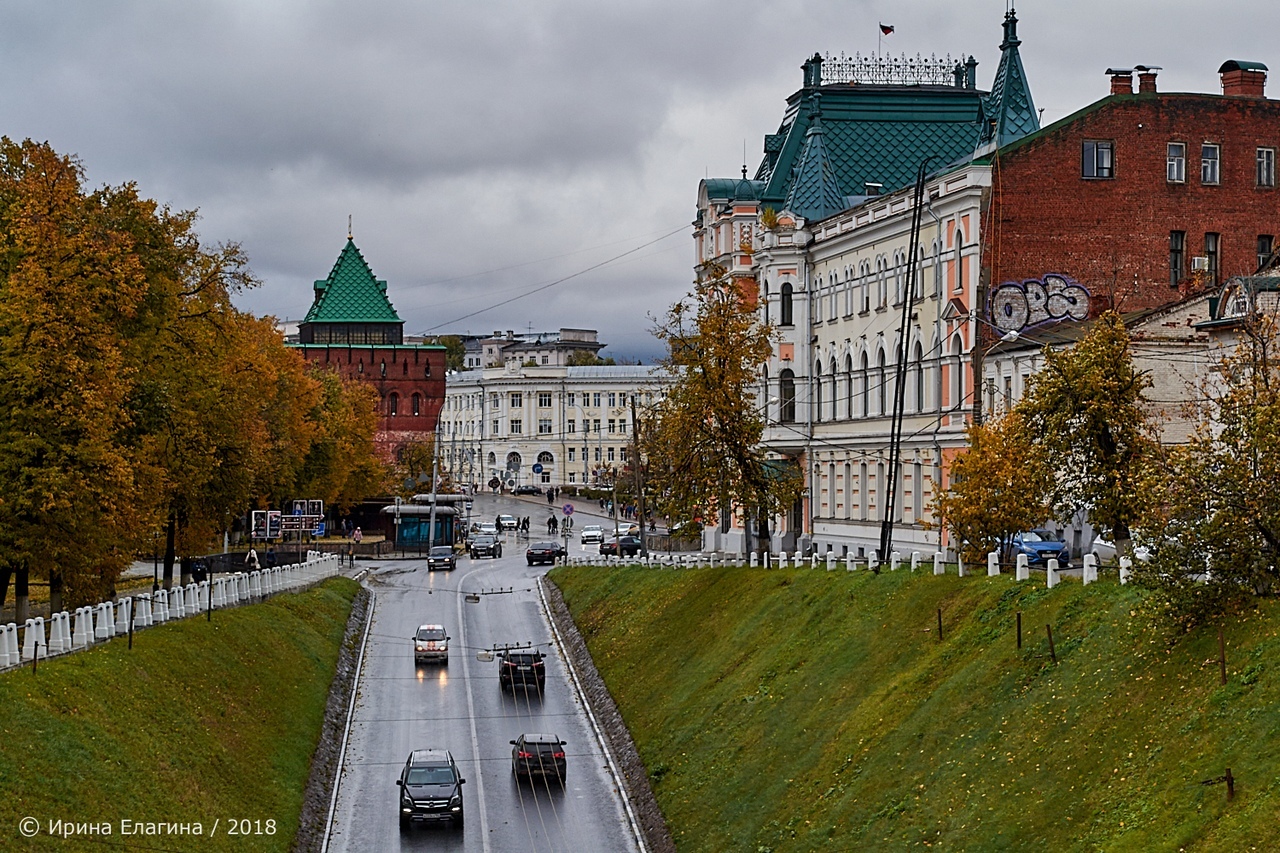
405,824
531,562
457,821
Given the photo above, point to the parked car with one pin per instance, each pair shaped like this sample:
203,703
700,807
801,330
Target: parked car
507,522
686,530
485,546
1105,550
592,533
542,552
1041,546
431,644
522,667
537,754
441,557
526,490
430,788
625,546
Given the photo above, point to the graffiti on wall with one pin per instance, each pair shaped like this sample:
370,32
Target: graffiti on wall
1016,306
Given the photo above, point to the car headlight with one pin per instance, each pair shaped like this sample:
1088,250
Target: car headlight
455,800
421,647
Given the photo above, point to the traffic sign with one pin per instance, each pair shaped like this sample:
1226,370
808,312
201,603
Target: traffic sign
494,483
567,509
537,467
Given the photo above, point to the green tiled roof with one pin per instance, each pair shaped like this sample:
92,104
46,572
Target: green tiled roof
875,134
351,293
814,193
1009,105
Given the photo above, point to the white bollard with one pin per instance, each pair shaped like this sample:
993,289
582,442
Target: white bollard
1126,569
159,608
220,593
915,560
244,586
42,643
959,564
895,560
752,560
993,563
1051,573
797,559
192,599
55,634
83,634
873,563
831,560
8,645
1023,568
31,642
849,564
122,616
142,619
1090,569
100,631
938,567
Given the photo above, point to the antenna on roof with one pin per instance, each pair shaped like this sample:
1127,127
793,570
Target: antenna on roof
348,226
744,159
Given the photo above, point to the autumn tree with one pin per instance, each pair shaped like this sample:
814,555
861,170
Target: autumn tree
702,442
1085,409
998,487
1214,517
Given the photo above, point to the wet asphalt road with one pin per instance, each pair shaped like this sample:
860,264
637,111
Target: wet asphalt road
460,707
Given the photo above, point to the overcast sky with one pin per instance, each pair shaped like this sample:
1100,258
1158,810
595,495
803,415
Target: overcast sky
485,149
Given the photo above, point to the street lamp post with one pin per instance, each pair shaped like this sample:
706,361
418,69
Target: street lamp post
155,560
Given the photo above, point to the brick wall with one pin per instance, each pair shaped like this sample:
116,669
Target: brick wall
408,371
1112,235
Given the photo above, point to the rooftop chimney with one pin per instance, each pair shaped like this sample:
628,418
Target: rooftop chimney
1146,78
1241,79
1121,81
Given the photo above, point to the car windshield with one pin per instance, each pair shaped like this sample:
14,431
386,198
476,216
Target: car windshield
442,775
441,551
430,633
522,659
591,528
1031,536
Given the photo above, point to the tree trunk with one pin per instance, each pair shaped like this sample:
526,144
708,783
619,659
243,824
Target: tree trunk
22,595
6,573
55,591
170,531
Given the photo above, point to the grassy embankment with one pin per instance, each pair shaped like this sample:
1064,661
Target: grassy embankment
805,710
200,721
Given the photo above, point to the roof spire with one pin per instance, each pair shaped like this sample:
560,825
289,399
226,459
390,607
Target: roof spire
348,226
1008,112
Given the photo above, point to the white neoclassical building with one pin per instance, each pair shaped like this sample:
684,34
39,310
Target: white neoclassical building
543,425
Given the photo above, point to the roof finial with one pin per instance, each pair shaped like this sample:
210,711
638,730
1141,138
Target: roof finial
348,226
744,159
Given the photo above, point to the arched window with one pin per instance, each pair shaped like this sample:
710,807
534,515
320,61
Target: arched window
835,394
882,283
817,300
417,403
493,458
833,301
957,375
848,291
393,405
919,378
959,261
848,387
863,502
513,461
784,309
899,261
384,368
864,384
545,458
865,274
787,396
882,384
817,387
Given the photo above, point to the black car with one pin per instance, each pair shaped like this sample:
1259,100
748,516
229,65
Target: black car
441,557
526,490
485,546
430,788
626,546
522,667
542,552
537,755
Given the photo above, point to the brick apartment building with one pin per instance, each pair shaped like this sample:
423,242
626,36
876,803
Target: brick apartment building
352,328
1140,197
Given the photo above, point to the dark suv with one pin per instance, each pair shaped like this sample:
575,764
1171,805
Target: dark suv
441,557
537,755
430,788
485,546
521,667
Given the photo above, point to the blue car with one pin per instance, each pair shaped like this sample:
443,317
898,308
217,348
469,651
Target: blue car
1041,546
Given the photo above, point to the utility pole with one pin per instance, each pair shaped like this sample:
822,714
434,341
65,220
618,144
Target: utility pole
635,432
900,372
435,465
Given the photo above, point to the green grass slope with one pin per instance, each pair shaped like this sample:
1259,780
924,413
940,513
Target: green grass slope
199,722
805,710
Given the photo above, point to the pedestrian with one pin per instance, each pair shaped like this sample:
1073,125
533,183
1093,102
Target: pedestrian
357,536
551,525
271,557
251,560
551,496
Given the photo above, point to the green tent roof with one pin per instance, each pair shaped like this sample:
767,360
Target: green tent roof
351,293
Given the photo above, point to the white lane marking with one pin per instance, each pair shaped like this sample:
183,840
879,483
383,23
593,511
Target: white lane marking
346,730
